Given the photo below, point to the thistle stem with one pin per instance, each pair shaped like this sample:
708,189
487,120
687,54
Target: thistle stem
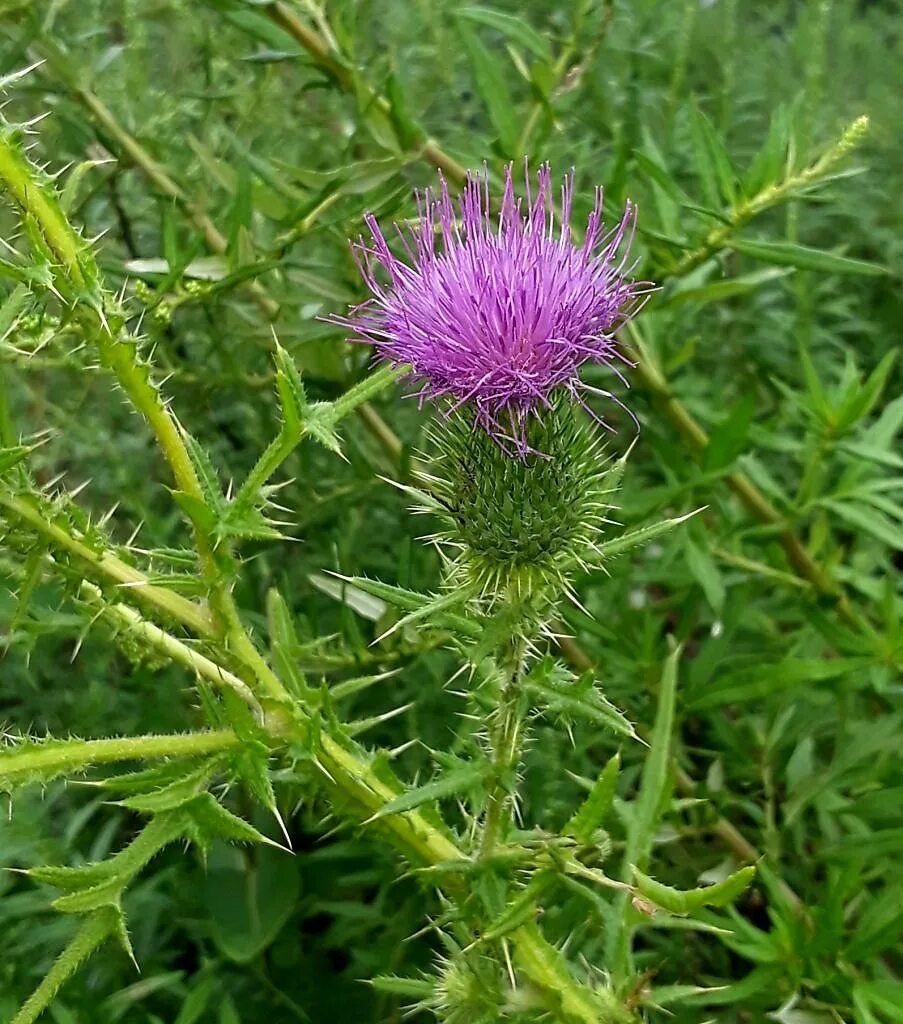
504,740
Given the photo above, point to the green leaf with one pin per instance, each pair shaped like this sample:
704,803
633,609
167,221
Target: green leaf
718,291
493,89
762,680
879,526
713,165
408,131
768,164
789,254
655,780
399,597
209,820
456,782
407,988
706,573
610,548
728,439
683,902
175,794
94,931
14,307
597,805
862,397
555,689
515,29
250,900
10,457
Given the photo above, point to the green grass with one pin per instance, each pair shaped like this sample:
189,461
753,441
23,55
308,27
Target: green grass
226,166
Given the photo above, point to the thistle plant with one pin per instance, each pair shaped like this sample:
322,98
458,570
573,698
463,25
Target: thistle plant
511,324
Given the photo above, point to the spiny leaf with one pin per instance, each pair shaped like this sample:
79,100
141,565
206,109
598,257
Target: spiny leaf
595,808
457,781
176,793
95,930
554,689
610,548
411,600
208,819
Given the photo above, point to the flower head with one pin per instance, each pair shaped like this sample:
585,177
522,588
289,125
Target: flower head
498,311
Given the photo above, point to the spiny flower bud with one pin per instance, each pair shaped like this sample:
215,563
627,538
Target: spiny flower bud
516,529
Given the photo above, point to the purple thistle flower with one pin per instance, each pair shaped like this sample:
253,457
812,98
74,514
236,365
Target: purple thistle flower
506,310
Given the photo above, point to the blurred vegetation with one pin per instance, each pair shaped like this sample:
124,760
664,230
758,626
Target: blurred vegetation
225,160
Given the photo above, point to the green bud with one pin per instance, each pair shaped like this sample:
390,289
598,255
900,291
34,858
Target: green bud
517,529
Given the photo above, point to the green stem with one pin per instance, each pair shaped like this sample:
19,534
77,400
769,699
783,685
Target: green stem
107,568
63,756
504,741
170,646
118,352
329,414
547,968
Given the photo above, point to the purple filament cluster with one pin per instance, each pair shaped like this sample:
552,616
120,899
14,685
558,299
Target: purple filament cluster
498,310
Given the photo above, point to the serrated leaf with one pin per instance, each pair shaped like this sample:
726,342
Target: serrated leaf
407,988
597,805
209,820
457,782
554,689
408,600
610,548
10,457
94,931
175,794
104,894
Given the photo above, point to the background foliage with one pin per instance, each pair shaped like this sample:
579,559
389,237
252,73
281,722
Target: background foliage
226,164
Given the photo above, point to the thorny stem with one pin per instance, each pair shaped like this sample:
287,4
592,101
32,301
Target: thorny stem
118,352
504,742
107,568
76,755
166,644
163,184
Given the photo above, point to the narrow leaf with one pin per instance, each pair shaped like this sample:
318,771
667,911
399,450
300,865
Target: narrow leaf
789,254
676,901
458,781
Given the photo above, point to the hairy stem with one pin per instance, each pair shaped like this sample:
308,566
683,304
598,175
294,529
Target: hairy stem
105,567
504,741
64,756
173,648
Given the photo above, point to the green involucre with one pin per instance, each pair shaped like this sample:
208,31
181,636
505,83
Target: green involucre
516,528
